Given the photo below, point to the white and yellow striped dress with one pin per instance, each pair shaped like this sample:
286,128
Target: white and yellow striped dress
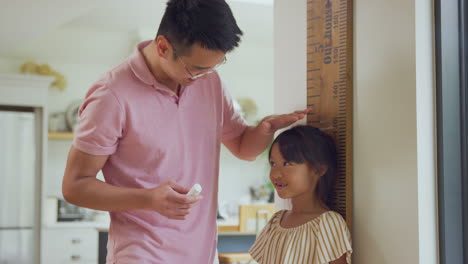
319,241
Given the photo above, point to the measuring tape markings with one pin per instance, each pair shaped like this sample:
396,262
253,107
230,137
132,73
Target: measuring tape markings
329,87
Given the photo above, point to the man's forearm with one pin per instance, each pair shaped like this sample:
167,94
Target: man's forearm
92,193
254,142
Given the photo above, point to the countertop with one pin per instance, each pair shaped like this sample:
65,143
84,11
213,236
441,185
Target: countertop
225,227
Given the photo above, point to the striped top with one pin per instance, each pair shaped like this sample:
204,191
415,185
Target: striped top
319,241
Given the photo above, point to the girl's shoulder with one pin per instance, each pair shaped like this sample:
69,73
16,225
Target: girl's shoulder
279,213
332,223
277,216
332,214
331,217
334,236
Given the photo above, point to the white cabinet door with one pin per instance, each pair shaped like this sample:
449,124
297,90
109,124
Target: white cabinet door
65,246
16,246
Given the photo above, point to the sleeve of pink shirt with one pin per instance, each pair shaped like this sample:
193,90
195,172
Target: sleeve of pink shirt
101,122
233,123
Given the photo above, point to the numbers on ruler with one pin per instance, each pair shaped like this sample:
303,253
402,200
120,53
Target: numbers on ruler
336,21
335,92
335,55
318,48
327,36
335,126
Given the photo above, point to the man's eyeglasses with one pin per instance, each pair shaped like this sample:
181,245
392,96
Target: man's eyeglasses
194,77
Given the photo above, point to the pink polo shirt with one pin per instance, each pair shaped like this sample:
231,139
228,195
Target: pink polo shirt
152,135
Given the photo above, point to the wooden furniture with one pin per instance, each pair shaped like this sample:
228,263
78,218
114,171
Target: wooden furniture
228,228
252,218
231,258
60,135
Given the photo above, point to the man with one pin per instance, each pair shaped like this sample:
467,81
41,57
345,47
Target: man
154,125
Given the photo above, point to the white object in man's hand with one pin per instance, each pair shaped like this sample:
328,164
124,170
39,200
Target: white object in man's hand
170,200
195,190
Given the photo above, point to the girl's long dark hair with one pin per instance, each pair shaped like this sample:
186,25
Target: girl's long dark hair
307,144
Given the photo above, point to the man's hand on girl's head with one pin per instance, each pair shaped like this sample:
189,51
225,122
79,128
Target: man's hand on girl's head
270,124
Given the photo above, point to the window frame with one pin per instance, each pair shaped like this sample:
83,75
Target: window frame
451,48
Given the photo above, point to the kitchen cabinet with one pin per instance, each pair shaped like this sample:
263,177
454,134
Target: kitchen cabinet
69,245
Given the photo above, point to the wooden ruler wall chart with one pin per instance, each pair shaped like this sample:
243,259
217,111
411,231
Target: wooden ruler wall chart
329,85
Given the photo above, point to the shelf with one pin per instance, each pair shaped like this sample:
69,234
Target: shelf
61,135
228,228
103,226
78,224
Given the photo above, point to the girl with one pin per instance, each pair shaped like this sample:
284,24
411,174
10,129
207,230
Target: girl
303,160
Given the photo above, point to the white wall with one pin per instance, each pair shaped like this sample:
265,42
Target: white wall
290,62
82,62
385,139
393,123
248,73
82,53
426,116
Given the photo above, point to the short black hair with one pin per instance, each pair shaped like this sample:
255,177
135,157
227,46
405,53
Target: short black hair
306,144
210,23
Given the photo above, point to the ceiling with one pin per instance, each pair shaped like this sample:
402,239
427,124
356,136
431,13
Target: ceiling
22,21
